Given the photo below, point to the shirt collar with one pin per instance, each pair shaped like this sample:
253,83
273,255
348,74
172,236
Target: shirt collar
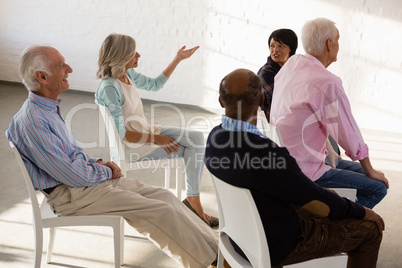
232,124
43,102
316,61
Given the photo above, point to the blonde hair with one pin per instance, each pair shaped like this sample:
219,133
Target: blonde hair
315,34
116,51
34,59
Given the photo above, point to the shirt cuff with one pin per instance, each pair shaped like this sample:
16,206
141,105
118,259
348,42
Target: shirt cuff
360,154
94,159
108,172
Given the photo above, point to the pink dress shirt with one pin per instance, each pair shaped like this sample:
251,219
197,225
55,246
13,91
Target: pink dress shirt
309,103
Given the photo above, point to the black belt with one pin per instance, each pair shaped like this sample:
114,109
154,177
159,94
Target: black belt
50,190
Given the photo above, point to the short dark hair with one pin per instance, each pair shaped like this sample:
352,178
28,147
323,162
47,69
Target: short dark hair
285,36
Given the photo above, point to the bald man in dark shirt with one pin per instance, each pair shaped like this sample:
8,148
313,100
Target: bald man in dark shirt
302,221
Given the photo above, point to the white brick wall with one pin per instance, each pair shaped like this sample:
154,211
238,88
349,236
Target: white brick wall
232,34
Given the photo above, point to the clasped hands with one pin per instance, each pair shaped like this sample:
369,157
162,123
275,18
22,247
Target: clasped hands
116,171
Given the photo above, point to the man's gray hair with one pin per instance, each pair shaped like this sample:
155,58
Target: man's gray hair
315,34
33,59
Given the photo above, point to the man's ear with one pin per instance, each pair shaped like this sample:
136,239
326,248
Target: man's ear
221,103
41,77
329,44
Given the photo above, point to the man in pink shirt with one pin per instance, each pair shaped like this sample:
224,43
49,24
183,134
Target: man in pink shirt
309,104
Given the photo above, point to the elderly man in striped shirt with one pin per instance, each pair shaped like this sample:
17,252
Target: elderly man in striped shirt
77,184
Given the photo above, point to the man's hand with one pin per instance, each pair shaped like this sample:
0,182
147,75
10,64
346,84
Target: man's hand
378,175
170,145
373,173
116,171
374,217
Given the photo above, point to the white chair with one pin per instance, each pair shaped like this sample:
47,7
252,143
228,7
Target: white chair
349,193
117,155
43,217
273,133
239,219
268,129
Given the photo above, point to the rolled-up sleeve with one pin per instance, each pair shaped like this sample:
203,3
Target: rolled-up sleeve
348,133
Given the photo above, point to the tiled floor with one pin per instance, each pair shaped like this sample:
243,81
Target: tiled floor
93,247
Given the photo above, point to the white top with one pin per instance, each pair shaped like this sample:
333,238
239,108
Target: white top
134,120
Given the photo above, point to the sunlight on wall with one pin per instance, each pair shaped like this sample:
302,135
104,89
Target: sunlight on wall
231,33
238,31
368,62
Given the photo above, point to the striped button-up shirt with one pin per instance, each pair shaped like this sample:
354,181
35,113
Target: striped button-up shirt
49,150
232,124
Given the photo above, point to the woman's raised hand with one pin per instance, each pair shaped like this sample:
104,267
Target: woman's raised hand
184,53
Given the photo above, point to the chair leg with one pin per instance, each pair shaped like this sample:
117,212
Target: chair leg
220,259
167,178
118,236
38,246
179,182
52,235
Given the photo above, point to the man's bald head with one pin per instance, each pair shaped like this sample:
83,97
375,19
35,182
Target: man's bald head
240,93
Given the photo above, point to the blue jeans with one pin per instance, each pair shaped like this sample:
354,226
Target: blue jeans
191,149
349,174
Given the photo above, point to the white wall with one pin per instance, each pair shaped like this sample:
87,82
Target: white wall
232,34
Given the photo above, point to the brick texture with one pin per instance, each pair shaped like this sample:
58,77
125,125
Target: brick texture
232,34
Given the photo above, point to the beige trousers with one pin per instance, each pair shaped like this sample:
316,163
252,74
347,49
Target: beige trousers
152,211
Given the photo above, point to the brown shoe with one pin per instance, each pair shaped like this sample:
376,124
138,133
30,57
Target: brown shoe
213,222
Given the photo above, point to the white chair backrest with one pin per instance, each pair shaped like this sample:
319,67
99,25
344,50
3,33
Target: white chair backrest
240,220
117,153
37,210
268,129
